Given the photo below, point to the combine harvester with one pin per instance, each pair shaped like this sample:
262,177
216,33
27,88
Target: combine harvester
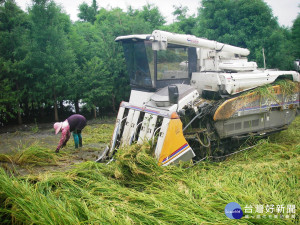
195,97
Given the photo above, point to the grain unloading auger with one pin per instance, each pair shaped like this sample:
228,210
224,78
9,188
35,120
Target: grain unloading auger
193,97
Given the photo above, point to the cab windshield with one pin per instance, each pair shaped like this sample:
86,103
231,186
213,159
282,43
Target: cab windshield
156,69
138,56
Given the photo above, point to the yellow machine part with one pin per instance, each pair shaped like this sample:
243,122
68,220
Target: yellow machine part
174,143
229,107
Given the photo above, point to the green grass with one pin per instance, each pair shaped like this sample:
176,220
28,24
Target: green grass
133,189
99,134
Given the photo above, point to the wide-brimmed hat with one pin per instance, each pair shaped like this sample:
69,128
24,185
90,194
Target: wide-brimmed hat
57,127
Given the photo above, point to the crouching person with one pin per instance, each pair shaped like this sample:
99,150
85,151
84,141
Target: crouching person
75,124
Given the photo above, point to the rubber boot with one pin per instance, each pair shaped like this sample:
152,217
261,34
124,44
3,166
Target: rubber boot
76,139
80,140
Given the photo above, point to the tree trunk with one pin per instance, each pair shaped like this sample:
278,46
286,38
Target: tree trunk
113,103
38,111
95,112
20,122
55,112
55,107
27,111
41,111
61,106
76,103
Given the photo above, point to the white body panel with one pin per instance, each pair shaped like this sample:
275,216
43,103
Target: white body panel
181,155
144,128
116,130
234,83
187,100
133,128
161,137
151,127
126,133
139,98
238,66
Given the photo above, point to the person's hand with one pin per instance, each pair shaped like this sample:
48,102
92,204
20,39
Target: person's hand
57,150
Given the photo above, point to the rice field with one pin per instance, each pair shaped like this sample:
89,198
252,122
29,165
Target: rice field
133,189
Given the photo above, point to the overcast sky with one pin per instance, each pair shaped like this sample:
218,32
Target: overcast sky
285,10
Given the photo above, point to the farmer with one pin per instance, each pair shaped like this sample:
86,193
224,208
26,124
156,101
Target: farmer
75,124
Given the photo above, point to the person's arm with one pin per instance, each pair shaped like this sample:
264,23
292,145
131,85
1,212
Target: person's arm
65,135
68,134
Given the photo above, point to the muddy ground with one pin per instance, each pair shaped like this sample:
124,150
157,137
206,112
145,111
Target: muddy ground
16,138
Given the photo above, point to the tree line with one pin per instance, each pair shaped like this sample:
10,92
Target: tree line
47,60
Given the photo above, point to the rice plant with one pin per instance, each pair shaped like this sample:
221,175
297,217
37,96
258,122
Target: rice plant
133,189
33,155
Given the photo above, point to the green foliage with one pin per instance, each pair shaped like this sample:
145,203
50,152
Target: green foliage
98,84
248,24
51,58
112,24
45,59
13,50
7,97
85,41
152,15
88,13
183,24
296,37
